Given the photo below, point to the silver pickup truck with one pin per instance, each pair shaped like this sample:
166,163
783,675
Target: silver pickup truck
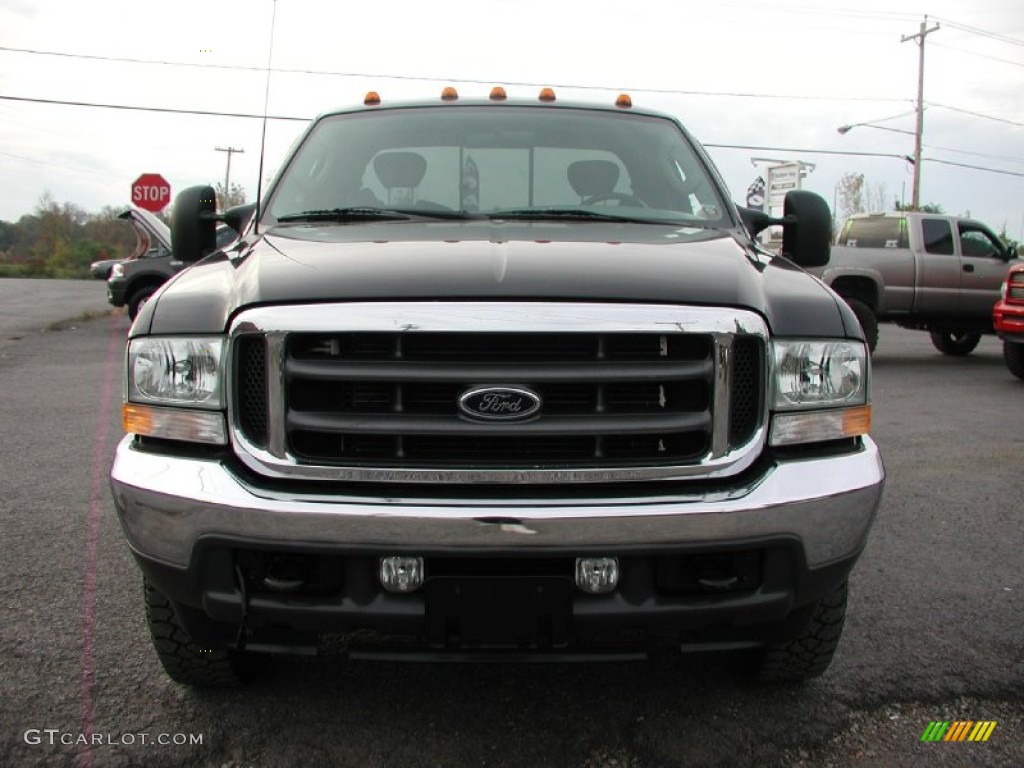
920,270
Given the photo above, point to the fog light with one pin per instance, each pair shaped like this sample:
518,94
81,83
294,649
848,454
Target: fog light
401,574
597,575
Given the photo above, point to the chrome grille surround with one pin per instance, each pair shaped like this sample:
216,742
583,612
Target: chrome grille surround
273,458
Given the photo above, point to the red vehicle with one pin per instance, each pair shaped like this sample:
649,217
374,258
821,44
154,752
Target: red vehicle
1008,319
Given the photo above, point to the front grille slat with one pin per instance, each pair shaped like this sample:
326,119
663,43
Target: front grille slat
391,399
495,372
398,424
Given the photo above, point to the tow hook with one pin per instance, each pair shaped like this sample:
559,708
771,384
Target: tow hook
242,629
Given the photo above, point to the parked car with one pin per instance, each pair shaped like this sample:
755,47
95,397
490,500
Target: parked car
101,269
925,271
133,280
1008,319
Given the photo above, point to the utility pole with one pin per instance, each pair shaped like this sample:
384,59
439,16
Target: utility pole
915,195
227,173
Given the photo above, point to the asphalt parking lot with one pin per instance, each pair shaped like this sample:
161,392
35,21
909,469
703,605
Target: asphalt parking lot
935,629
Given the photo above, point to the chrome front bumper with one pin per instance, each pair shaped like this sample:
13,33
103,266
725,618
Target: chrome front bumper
166,504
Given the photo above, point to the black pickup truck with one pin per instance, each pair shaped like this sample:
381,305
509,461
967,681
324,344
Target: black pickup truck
496,377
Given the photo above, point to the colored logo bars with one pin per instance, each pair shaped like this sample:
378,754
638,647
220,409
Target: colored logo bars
959,730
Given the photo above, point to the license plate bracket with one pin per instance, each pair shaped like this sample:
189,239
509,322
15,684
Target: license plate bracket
498,612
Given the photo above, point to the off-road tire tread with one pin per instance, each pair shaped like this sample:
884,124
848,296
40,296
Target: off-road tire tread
943,341
810,654
137,297
1013,354
868,321
184,660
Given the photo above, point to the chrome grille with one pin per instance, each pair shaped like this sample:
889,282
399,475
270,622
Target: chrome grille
606,397
384,404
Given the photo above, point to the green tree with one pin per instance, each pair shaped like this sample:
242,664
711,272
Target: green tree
926,208
61,240
236,196
850,193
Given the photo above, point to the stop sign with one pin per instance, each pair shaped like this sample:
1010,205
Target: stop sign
151,192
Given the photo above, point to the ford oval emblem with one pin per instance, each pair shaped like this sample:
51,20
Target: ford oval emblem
499,403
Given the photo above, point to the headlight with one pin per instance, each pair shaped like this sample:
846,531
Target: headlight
117,270
820,391
176,371
183,373
820,374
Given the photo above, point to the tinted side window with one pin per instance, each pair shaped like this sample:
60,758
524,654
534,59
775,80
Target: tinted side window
975,242
874,232
938,236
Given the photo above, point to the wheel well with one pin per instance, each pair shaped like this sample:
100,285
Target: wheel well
151,281
861,288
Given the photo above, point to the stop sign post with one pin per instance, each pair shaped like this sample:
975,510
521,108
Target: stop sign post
151,192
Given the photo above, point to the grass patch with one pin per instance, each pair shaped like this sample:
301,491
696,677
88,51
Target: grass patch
85,317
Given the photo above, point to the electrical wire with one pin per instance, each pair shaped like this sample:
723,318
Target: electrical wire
978,31
979,55
419,78
972,167
63,167
170,110
977,114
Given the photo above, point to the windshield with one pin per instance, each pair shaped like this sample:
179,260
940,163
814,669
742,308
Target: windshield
494,161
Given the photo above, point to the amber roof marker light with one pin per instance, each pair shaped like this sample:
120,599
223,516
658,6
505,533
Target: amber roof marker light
449,94
624,101
498,93
372,99
547,94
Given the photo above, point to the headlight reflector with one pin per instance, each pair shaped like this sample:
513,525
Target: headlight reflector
176,371
819,374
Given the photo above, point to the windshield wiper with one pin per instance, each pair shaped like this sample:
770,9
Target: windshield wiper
578,214
345,214
440,213
366,213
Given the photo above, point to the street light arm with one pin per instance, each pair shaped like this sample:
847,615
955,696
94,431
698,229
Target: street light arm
844,129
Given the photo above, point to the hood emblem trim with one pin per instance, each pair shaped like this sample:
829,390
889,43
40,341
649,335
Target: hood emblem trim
499,403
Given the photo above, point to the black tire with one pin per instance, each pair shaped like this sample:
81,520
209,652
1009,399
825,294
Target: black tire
140,297
185,660
809,654
868,321
1013,354
956,343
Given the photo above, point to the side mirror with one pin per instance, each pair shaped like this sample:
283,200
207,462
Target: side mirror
754,221
193,229
238,217
807,229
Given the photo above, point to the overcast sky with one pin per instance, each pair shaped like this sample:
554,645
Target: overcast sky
778,75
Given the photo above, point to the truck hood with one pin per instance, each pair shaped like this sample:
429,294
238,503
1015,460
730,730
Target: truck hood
489,260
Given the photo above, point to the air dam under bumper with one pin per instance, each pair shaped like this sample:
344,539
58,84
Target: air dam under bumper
166,504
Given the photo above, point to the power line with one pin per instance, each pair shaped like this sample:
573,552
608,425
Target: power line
974,167
977,114
207,113
210,113
805,151
859,154
1011,158
980,32
979,55
58,165
419,78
